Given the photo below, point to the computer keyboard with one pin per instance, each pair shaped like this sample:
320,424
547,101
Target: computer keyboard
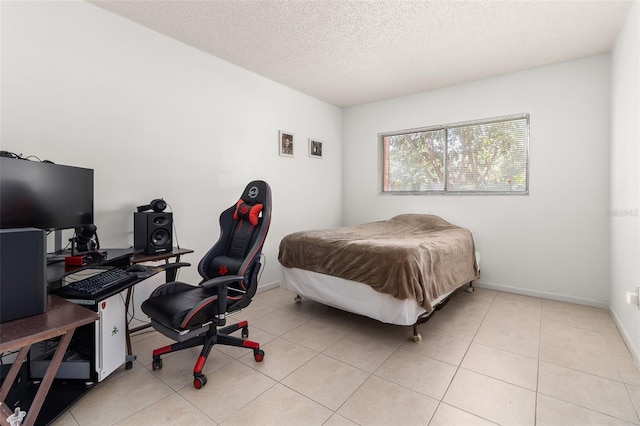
98,284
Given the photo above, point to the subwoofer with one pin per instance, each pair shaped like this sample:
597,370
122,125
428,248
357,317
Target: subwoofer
152,232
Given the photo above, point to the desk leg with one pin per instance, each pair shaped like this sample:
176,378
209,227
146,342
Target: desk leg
13,372
47,380
130,356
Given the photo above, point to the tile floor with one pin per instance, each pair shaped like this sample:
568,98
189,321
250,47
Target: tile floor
487,358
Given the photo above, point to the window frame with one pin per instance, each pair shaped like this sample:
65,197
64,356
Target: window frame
446,127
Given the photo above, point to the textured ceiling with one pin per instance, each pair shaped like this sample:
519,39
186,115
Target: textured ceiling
354,52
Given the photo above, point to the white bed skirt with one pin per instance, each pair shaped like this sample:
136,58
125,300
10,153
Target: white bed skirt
351,296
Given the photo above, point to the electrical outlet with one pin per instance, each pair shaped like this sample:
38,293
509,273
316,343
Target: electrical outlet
634,298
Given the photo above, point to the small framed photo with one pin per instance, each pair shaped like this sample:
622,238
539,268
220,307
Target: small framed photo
315,148
285,143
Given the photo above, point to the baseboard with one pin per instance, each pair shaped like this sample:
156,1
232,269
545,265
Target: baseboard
543,295
627,340
268,286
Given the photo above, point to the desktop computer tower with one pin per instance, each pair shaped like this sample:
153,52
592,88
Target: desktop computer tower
152,232
23,282
96,350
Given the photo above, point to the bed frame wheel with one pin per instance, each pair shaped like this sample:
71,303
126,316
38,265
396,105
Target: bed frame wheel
298,298
469,288
417,337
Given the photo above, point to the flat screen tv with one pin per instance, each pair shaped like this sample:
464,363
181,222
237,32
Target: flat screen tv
44,195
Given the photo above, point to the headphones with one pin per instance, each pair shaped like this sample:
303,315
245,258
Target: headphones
86,238
158,205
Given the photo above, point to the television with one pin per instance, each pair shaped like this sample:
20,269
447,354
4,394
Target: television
44,195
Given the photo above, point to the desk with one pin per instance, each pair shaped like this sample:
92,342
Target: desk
60,319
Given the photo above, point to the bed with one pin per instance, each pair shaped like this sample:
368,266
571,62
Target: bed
397,271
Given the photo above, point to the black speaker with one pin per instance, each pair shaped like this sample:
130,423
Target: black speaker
152,232
23,283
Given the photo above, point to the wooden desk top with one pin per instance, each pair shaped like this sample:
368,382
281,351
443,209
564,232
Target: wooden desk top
60,316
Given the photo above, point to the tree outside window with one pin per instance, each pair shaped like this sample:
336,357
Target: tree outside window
487,156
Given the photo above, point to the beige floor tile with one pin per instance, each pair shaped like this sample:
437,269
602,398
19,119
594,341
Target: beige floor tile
618,346
326,380
512,368
172,410
579,349
338,420
65,419
573,315
499,333
528,325
280,406
454,321
227,390
416,372
586,390
317,334
109,402
634,393
361,350
580,339
447,415
379,402
439,346
281,358
554,412
479,300
255,310
276,297
517,307
491,399
279,322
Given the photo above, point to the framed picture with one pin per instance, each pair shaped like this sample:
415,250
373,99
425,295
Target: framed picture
315,148
285,143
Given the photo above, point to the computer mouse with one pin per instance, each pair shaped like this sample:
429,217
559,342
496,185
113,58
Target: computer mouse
136,268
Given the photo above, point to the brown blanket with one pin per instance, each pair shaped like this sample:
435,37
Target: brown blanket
411,256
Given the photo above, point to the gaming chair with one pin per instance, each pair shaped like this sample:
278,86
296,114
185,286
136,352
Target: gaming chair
191,315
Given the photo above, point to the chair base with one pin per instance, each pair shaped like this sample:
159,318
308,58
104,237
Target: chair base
211,336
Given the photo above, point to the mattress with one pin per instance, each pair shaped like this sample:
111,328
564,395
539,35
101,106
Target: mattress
408,257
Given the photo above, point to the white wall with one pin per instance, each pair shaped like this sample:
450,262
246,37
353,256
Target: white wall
552,243
625,179
156,118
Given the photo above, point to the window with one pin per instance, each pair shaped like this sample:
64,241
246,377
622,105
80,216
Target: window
485,156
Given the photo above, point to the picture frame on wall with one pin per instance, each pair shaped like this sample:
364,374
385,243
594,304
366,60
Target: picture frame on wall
285,143
315,148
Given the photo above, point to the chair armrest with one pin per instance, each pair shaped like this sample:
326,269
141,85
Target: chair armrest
174,265
221,283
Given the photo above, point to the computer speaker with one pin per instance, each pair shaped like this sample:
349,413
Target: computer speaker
23,277
152,232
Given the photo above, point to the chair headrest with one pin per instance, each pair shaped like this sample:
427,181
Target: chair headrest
252,202
256,192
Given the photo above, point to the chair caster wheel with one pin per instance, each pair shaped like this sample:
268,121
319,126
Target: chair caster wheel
156,364
258,355
199,381
245,332
298,299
